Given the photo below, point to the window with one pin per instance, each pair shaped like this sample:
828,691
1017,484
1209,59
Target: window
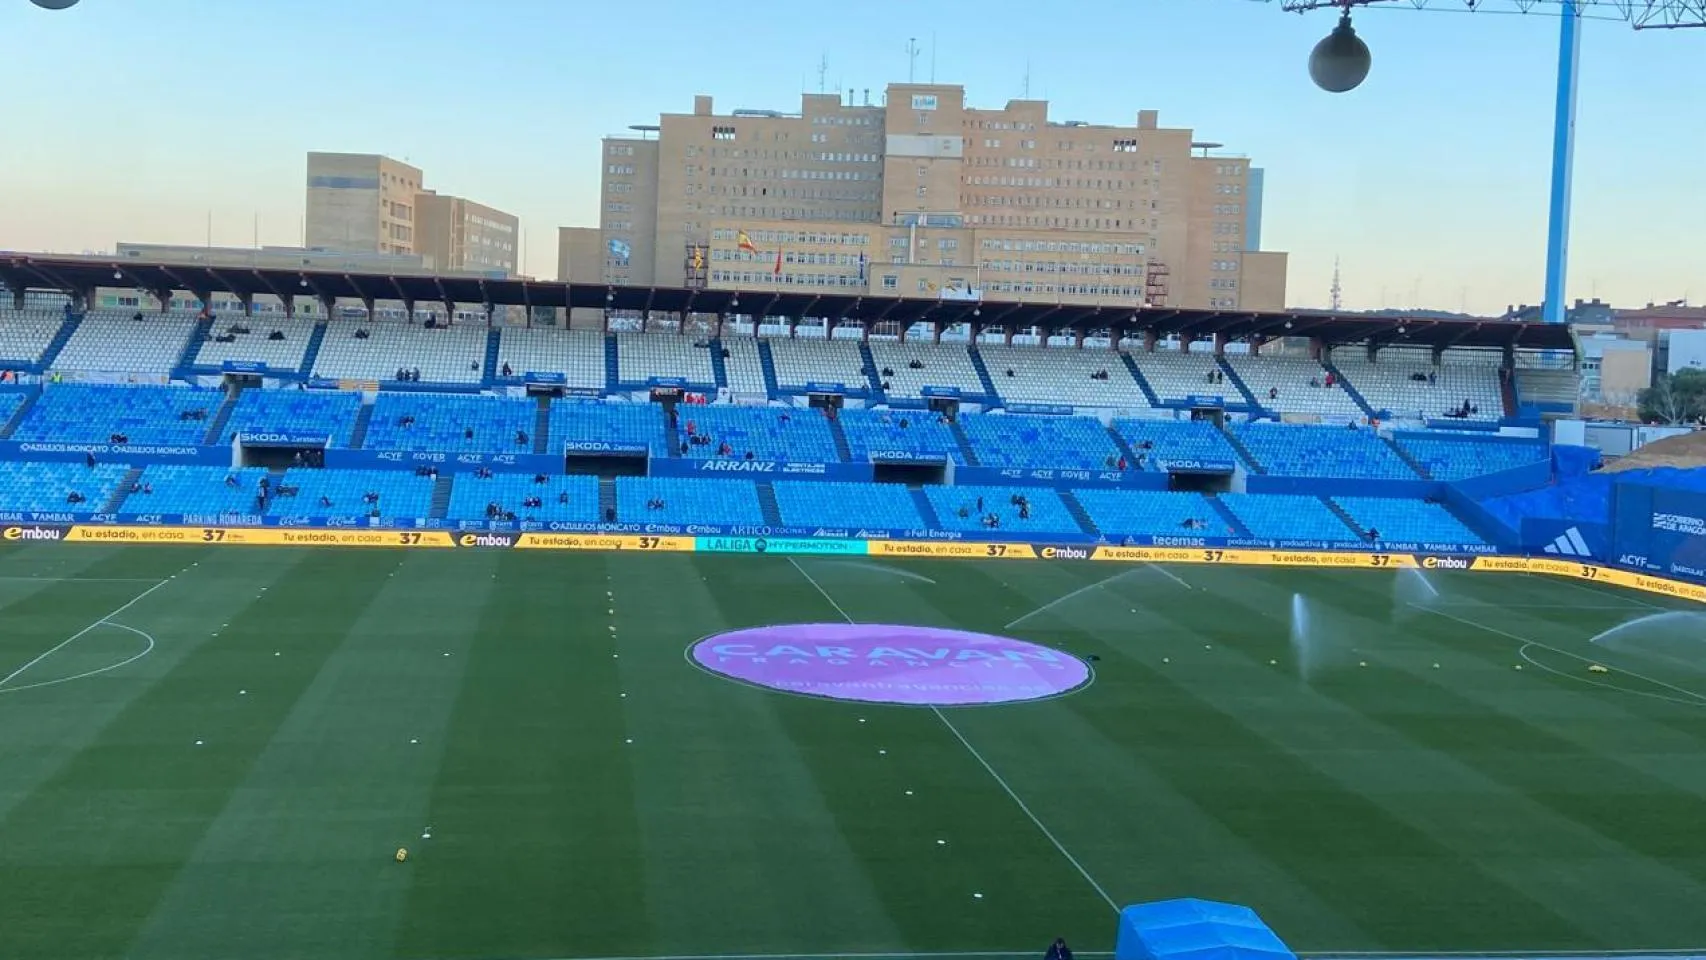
891,282
722,133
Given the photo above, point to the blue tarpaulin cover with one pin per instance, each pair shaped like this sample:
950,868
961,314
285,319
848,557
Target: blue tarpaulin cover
1196,930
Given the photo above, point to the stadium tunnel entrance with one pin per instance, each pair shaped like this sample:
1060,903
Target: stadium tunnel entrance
605,463
278,451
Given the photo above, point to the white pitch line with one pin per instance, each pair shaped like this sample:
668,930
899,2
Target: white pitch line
1546,646
92,673
22,579
1169,575
813,581
1081,590
79,634
1024,808
986,766
1602,594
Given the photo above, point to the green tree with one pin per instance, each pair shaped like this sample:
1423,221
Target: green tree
1677,398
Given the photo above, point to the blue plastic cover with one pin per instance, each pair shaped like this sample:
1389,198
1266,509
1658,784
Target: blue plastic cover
1191,929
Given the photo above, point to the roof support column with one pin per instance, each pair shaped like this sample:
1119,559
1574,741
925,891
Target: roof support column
1149,340
1220,344
248,302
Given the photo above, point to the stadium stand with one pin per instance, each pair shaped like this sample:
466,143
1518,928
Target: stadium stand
1159,441
9,404
1396,519
443,354
296,413
58,487
768,433
886,506
1286,516
560,499
940,365
917,433
958,508
1139,513
642,356
1407,383
1175,375
672,500
1007,440
107,342
253,340
25,335
1062,375
344,493
1294,385
803,360
88,413
206,491
1543,385
451,424
576,354
1313,451
618,424
1459,459
744,367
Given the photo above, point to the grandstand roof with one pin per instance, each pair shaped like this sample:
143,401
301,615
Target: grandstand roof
32,271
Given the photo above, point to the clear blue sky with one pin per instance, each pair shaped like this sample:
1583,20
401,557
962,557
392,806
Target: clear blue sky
131,119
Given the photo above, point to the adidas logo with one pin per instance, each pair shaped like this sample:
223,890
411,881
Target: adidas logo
1569,544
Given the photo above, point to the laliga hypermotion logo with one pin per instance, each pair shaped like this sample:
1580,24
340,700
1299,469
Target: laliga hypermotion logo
883,663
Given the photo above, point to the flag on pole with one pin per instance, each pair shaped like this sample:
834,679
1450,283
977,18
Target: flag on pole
778,270
744,242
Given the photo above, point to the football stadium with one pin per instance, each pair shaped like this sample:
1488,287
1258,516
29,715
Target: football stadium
633,643
907,527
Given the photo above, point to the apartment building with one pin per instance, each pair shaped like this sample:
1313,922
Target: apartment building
454,233
367,203
923,195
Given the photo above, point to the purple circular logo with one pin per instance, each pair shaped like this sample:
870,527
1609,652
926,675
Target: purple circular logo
883,663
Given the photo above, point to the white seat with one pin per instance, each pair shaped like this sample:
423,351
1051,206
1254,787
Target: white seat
453,354
744,367
1398,381
576,354
944,365
1175,375
1291,377
803,360
1061,375
254,346
641,356
25,334
108,342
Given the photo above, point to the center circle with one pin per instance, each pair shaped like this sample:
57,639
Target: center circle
886,663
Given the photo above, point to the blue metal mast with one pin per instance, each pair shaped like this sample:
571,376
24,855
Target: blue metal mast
1563,162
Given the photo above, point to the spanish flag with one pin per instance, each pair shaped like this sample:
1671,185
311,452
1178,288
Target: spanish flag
744,242
778,270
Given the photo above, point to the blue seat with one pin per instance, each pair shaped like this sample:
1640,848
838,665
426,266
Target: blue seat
561,499
687,501
1159,441
919,434
768,433
1152,513
1288,517
83,413
45,487
403,494
1008,440
1047,513
1460,459
296,413
203,491
1407,520
810,503
425,423
618,424
1290,450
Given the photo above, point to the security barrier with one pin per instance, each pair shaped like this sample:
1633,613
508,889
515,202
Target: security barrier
927,549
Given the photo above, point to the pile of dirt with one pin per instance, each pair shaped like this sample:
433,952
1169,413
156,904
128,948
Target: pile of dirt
1684,452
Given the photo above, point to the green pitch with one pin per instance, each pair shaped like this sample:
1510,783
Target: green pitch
213,753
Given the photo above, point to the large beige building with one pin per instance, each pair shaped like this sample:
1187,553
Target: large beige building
367,203
925,196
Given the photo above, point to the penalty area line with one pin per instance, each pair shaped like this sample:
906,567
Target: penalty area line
61,645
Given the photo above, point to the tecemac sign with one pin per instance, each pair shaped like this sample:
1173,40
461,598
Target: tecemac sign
885,663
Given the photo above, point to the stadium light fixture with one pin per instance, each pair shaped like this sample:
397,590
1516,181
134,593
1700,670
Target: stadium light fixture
1340,62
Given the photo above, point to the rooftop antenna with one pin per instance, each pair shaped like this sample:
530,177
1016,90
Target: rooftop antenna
822,72
911,59
1337,292
932,56
1026,95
